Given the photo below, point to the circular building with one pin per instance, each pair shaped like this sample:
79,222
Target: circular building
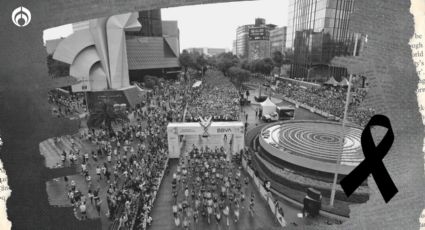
297,155
314,145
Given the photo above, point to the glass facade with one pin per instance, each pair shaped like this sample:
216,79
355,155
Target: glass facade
317,31
278,39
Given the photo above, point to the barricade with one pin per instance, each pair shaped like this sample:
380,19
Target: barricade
266,195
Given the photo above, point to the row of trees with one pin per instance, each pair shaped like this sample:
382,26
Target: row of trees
238,70
194,61
264,66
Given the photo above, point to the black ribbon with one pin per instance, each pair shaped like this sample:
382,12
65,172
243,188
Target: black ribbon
372,164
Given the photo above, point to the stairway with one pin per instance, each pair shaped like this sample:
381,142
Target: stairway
52,151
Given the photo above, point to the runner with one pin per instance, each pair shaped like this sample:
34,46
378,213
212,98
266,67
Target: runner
251,204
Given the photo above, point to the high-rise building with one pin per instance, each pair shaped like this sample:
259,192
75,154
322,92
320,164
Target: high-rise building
317,32
260,22
207,51
258,35
234,47
278,39
151,22
242,40
259,40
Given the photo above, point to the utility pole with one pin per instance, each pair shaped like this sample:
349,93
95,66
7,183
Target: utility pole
333,191
84,87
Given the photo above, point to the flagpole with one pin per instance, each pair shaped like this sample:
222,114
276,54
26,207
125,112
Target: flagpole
332,199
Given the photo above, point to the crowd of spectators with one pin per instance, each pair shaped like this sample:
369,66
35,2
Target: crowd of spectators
122,173
216,97
65,103
331,100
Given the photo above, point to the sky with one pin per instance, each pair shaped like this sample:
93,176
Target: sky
210,25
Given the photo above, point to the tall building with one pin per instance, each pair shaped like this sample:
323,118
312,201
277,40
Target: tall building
318,31
260,21
207,51
151,22
259,39
242,40
234,47
278,39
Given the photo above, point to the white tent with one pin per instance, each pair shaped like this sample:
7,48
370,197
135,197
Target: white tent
331,81
268,106
344,82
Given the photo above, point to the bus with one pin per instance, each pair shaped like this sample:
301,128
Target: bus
281,113
285,112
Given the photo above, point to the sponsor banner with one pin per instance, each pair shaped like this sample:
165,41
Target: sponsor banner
258,33
250,172
281,220
224,130
187,131
200,130
262,190
272,206
257,182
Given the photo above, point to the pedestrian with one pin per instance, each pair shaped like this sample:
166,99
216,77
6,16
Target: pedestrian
83,210
98,173
98,202
65,179
90,196
251,204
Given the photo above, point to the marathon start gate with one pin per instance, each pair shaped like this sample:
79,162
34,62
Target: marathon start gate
175,132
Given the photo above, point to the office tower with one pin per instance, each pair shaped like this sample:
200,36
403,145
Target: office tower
317,32
278,39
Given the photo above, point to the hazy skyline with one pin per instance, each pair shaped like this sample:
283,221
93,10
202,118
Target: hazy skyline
210,25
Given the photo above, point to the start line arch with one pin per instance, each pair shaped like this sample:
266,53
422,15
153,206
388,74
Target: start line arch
176,132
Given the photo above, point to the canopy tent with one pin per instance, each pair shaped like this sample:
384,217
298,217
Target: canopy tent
331,81
268,106
196,84
344,82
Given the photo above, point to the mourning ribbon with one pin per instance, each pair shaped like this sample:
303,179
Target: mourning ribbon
372,164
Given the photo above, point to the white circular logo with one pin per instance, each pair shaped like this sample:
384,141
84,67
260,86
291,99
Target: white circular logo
21,16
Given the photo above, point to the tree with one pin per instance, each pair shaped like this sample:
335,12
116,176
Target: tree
105,114
186,61
288,57
202,62
245,64
199,62
257,66
151,81
238,75
212,61
267,66
57,68
278,60
225,61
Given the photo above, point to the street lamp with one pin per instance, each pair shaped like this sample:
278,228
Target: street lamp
84,87
343,130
